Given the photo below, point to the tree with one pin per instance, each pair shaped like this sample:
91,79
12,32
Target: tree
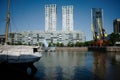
59,44
77,44
88,43
114,37
70,44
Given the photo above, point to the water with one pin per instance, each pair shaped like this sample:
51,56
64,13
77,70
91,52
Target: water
73,66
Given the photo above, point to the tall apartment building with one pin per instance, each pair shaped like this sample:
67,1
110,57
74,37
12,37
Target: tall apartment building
50,17
116,26
67,18
97,23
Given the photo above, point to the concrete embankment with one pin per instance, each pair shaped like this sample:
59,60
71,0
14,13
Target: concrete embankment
113,48
108,48
71,48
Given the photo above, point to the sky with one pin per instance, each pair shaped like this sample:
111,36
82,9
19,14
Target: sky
27,15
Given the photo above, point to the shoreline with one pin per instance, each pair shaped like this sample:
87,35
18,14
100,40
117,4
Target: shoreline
90,48
95,48
71,48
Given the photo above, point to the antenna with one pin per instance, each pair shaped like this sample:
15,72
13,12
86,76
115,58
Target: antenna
7,23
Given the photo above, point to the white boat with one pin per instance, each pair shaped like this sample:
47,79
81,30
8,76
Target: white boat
12,54
19,54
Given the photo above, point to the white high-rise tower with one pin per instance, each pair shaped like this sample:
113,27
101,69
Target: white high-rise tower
67,18
50,18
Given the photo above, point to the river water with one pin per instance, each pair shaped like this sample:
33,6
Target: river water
75,65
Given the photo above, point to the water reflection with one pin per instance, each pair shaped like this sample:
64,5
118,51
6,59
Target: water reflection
114,66
59,73
74,66
100,64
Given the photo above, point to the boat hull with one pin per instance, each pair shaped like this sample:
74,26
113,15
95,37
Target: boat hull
19,54
19,59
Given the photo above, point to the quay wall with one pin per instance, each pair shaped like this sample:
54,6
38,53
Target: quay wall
107,48
72,48
113,48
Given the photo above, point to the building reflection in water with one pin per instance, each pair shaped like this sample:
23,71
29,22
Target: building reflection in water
61,65
100,64
78,66
114,66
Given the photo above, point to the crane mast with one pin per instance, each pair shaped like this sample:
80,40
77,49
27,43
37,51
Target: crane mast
7,23
100,28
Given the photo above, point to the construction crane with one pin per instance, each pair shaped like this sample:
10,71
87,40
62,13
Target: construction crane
99,35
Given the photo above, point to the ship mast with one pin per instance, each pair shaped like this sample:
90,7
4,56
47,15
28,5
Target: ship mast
7,23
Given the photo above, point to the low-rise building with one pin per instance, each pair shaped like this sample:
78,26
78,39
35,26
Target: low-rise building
35,37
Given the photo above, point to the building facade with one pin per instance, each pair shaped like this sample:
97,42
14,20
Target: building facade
116,26
97,23
50,17
35,37
67,18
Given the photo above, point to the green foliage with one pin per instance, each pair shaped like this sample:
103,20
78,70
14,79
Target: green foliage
79,44
70,44
88,43
40,43
114,37
18,43
59,44
51,44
